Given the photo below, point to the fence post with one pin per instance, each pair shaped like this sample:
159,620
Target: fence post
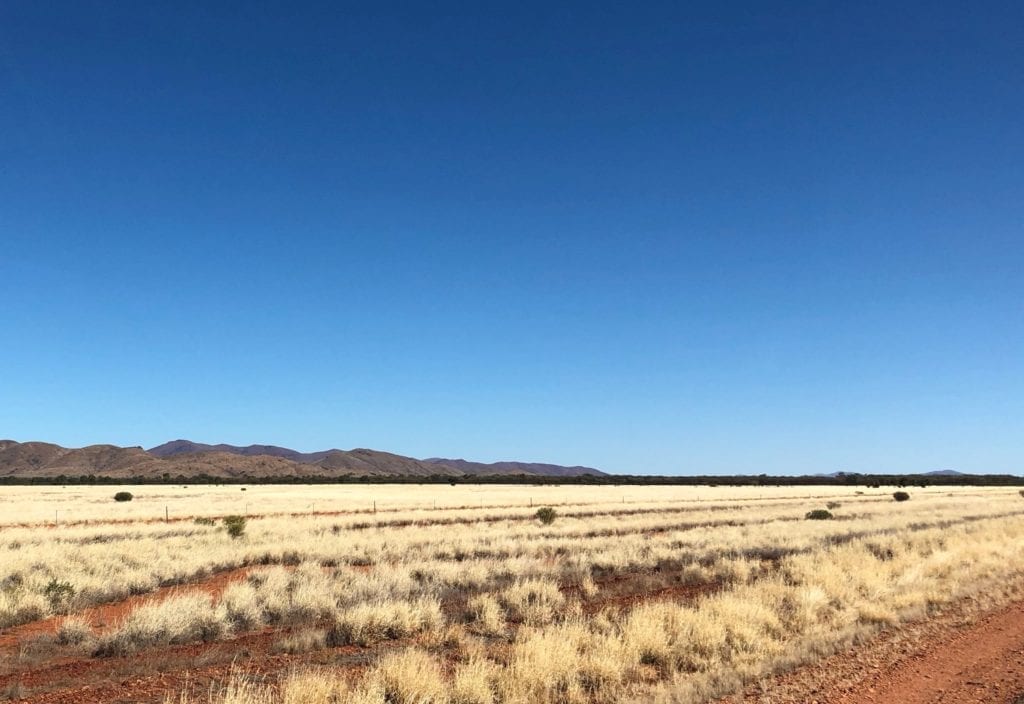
167,515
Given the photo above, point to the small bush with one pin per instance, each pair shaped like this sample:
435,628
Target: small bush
123,496
203,521
818,514
546,515
833,505
901,496
1022,492
235,525
59,594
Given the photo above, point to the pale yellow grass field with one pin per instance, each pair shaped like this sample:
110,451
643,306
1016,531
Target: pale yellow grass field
489,605
33,504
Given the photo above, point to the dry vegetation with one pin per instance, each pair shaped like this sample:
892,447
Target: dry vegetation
674,594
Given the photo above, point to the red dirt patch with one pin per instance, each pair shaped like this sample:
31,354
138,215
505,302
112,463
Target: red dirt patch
677,593
964,656
983,664
625,590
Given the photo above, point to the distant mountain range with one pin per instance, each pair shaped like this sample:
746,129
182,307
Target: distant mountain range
936,473
188,459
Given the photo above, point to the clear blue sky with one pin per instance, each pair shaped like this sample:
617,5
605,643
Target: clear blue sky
666,238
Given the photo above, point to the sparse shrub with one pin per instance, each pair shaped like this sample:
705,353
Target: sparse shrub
1022,492
833,505
546,515
59,594
235,525
204,521
818,514
123,496
901,496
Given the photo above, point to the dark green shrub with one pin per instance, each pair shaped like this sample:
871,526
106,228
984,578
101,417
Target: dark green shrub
546,515
123,496
235,525
59,594
901,496
818,514
204,521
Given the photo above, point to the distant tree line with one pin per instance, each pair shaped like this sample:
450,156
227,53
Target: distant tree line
852,479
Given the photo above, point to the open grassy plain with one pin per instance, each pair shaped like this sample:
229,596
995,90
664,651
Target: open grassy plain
460,595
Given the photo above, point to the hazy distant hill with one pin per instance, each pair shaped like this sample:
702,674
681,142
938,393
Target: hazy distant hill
187,447
189,459
937,473
548,470
374,462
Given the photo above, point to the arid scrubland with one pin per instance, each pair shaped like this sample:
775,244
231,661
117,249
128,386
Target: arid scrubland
675,594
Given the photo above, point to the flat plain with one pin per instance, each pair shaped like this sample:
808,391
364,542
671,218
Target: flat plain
460,594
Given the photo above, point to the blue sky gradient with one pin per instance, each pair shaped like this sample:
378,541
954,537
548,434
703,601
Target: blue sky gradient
677,238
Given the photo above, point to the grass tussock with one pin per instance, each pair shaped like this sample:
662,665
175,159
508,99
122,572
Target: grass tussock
180,619
304,641
533,601
73,630
366,624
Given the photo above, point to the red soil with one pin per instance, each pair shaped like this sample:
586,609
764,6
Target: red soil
980,664
961,657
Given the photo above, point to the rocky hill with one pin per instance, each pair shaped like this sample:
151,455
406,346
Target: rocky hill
189,459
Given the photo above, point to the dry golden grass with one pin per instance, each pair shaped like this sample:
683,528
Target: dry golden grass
484,605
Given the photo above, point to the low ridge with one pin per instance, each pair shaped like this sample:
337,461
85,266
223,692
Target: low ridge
184,458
